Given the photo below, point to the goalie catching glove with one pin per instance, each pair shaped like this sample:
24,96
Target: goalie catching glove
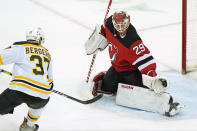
158,84
95,42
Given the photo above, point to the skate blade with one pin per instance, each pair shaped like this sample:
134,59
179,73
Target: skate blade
179,108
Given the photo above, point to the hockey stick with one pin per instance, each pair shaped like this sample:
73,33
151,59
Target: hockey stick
91,66
94,56
65,95
77,100
6,72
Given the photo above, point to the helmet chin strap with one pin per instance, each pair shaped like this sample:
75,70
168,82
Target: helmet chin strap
122,35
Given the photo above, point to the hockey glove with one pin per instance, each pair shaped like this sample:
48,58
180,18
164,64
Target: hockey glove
95,42
158,84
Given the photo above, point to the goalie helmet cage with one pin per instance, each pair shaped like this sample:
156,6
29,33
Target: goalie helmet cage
189,36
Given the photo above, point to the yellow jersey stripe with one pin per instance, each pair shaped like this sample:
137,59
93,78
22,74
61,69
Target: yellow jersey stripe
50,80
1,62
34,46
33,115
32,41
33,81
31,119
29,87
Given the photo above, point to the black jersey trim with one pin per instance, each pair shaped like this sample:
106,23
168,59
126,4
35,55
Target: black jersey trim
26,42
31,84
144,61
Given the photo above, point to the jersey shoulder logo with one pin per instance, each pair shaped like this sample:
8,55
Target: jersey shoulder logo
113,50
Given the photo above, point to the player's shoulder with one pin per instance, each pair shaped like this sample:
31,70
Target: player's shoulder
28,43
15,45
109,20
19,43
132,36
109,23
25,44
132,28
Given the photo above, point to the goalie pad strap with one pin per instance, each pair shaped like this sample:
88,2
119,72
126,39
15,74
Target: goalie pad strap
142,98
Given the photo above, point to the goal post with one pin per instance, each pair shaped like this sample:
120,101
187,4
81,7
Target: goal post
189,36
184,24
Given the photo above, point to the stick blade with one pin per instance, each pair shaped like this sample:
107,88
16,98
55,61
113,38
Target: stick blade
93,99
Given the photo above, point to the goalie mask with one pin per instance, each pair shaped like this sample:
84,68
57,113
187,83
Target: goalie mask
121,21
35,34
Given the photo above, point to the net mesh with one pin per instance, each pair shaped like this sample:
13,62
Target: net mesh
191,46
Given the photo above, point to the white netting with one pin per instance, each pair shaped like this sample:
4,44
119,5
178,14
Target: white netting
191,59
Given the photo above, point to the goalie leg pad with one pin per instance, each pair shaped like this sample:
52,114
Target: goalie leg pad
142,98
97,83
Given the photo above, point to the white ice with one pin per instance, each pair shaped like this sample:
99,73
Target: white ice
67,25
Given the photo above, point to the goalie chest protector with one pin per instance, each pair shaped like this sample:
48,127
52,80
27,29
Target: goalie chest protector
125,53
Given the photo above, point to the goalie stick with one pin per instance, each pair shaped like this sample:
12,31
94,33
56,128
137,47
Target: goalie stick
65,95
94,56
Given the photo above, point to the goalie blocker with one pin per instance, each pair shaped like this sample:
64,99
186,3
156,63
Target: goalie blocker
158,83
145,99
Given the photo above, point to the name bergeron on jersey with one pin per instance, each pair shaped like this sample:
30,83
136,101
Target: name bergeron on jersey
37,50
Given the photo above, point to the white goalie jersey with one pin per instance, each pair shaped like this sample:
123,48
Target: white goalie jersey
32,71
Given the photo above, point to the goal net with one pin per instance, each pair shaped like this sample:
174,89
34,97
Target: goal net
189,36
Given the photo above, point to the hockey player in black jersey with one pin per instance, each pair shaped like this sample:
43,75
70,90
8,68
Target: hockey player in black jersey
31,78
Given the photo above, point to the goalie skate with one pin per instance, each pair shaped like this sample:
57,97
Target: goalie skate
175,108
25,127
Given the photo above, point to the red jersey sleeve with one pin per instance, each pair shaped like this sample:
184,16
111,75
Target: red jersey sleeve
142,58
